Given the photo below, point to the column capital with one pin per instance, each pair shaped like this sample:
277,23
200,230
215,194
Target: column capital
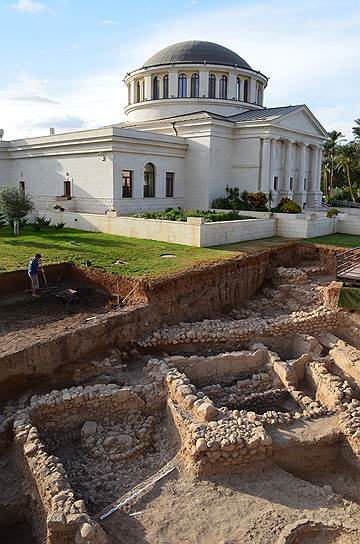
288,140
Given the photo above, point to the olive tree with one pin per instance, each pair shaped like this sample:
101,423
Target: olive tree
15,204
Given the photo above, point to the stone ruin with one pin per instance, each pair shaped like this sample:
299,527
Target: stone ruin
228,395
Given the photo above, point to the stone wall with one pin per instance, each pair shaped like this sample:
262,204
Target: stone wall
60,518
56,418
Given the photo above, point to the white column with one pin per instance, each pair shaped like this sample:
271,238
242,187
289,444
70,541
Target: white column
188,85
299,194
147,87
217,85
265,165
173,84
204,83
232,87
132,91
285,182
252,90
241,89
311,196
319,169
160,78
272,162
314,168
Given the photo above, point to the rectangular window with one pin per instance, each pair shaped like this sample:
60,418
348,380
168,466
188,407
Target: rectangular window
67,188
127,183
276,183
304,184
170,176
22,186
291,184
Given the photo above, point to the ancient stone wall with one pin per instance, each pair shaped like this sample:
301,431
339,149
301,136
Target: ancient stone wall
59,518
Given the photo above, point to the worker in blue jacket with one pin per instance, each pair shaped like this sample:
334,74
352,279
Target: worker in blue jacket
33,269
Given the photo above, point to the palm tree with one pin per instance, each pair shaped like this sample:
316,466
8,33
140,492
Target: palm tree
325,173
346,159
356,130
330,147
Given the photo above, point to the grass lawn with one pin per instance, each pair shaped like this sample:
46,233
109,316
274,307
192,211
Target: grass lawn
142,257
341,240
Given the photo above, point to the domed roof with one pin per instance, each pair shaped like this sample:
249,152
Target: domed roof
196,52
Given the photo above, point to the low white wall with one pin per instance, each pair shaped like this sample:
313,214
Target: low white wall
348,227
298,227
148,229
196,233
227,232
200,235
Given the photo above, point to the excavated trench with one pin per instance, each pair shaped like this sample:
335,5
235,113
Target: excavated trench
107,448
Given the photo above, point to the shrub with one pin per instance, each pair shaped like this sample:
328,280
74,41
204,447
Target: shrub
35,226
257,200
286,205
221,203
173,214
15,204
42,221
291,207
332,212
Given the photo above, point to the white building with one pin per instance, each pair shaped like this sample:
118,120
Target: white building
195,123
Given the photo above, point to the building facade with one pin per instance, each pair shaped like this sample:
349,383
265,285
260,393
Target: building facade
196,122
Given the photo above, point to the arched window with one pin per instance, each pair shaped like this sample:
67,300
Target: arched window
194,90
182,86
238,88
223,87
138,92
149,180
155,93
212,86
246,90
166,86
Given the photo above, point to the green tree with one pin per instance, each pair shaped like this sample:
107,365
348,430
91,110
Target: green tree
15,204
356,129
346,161
330,148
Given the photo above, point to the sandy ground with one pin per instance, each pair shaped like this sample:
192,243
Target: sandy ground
233,509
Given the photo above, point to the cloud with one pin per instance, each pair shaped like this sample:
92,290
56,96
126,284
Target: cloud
73,107
29,6
27,90
109,22
67,122
34,98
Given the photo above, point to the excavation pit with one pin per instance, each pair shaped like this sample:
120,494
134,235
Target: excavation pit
109,458
279,405
277,400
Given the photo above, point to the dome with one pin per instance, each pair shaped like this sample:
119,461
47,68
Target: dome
196,52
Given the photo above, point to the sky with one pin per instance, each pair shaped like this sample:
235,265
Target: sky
63,61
